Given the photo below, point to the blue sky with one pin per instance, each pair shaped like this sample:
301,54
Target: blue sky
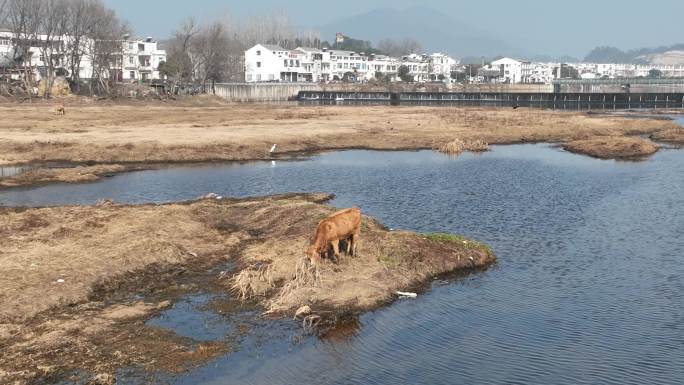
568,27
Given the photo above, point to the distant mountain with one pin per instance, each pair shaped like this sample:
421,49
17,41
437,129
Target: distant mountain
436,31
660,55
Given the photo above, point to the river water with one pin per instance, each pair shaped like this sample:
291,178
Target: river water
589,287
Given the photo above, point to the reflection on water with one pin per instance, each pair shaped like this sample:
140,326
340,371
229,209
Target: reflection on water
588,288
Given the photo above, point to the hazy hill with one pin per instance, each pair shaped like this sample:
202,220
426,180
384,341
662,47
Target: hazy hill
433,29
659,55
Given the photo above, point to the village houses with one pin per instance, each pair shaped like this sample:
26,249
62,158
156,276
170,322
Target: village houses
138,60
270,63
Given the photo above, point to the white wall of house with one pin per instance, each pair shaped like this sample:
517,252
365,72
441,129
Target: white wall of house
514,71
270,63
265,63
139,59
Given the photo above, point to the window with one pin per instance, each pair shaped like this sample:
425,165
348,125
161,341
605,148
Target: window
130,46
285,62
249,77
4,41
131,74
258,64
258,53
131,60
291,63
297,63
271,77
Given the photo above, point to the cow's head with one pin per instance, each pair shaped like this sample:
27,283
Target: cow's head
313,254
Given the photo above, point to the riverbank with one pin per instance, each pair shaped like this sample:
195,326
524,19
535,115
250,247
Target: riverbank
79,281
138,135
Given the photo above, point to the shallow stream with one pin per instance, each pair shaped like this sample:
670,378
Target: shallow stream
589,287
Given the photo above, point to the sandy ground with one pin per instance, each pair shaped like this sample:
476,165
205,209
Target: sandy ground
73,276
156,132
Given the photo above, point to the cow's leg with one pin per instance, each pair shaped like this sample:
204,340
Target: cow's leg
336,249
350,240
356,237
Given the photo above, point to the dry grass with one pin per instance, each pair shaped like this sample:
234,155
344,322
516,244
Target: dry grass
610,147
280,278
458,146
65,175
57,262
180,133
672,135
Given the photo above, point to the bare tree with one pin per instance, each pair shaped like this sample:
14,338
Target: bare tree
80,27
179,66
3,12
24,19
104,48
53,26
212,52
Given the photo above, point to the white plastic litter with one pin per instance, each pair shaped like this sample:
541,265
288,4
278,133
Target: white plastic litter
407,294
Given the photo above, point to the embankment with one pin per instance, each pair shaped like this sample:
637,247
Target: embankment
73,277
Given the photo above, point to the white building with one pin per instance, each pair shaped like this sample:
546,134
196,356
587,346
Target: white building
349,65
442,65
542,73
139,59
385,65
514,71
269,63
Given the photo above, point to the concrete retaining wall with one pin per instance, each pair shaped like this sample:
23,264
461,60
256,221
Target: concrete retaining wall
262,92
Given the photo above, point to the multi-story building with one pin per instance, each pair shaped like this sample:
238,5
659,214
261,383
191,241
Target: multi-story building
385,65
349,65
139,59
514,71
442,65
270,63
264,63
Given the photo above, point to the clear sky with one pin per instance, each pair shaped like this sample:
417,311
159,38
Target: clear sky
552,27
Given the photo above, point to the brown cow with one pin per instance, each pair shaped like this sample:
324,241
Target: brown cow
342,225
59,109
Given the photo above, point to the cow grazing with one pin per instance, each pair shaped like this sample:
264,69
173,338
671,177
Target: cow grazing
342,225
59,109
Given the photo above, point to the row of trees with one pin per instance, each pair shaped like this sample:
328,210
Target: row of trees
65,32
202,54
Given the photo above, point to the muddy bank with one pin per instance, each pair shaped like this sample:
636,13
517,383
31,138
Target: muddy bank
174,133
79,282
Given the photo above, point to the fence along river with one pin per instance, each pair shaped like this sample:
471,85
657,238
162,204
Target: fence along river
575,100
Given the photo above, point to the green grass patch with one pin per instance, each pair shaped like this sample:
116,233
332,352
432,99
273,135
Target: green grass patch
467,243
388,261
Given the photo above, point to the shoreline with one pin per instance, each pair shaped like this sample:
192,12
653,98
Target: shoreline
103,290
103,139
89,172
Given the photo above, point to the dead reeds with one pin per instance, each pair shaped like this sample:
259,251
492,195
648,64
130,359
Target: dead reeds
457,146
